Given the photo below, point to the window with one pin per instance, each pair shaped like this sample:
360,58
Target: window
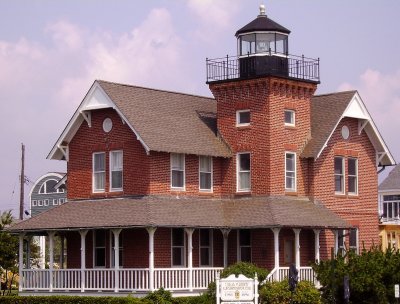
205,236
34,203
243,172
178,247
244,242
116,168
290,171
112,255
99,172
205,173
339,175
243,118
55,202
353,240
352,175
40,203
99,248
289,118
61,201
46,202
177,170
341,242
48,187
351,236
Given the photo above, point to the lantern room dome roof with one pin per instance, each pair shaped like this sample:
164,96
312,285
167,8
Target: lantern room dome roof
262,24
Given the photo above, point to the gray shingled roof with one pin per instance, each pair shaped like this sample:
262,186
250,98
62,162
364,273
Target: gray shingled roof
326,111
392,181
262,23
273,211
168,121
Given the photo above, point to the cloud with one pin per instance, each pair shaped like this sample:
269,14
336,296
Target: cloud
381,94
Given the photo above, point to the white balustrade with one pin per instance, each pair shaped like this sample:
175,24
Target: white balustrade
134,279
66,279
35,279
171,278
204,276
99,279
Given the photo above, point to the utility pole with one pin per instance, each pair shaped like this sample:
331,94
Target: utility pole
22,184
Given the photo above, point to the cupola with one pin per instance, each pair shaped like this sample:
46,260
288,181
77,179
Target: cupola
263,47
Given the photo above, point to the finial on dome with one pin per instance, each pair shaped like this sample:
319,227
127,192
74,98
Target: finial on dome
262,10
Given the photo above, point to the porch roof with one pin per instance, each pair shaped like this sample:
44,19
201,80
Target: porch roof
251,212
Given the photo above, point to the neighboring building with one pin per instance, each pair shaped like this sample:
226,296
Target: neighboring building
44,194
165,189
47,192
389,212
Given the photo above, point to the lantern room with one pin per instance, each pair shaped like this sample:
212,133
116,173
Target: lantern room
263,47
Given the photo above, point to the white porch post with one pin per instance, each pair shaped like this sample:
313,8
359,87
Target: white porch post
317,232
42,245
51,259
151,231
189,232
21,260
83,257
116,233
276,251
225,234
297,246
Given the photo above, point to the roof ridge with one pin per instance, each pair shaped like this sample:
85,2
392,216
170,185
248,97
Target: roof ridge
334,93
153,89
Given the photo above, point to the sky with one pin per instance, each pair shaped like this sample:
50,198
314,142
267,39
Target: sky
52,51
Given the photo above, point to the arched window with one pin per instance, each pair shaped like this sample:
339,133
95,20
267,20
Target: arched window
48,187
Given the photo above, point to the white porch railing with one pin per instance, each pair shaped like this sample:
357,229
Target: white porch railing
282,273
128,279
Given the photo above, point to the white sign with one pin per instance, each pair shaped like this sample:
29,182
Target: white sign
237,290
396,291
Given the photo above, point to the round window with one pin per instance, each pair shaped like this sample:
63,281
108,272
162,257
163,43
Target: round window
345,132
107,125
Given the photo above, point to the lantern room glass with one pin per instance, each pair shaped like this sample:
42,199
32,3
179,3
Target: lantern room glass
258,43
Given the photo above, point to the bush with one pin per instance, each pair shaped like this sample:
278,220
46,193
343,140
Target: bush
247,269
372,275
160,296
279,293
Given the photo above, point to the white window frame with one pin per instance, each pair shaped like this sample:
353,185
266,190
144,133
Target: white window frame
34,203
61,201
111,171
40,203
44,186
94,190
343,175
240,246
183,249
55,202
293,123
121,250
206,172
295,172
99,247
210,248
238,123
238,173
184,172
46,202
356,248
355,176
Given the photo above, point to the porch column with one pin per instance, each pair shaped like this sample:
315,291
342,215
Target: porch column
276,251
83,257
316,232
225,234
21,260
297,246
42,245
116,233
51,258
189,232
151,231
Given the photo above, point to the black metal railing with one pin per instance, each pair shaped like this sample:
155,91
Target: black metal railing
272,64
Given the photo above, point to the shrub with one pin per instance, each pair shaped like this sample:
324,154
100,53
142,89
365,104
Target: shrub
279,293
160,296
247,269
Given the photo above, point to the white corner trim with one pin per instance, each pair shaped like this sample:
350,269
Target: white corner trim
96,98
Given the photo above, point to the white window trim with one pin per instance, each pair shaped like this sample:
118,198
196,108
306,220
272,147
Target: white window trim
293,124
110,173
237,173
94,251
357,241
344,175
184,172
93,172
212,175
239,258
44,186
34,203
295,172
356,176
238,124
184,249
210,248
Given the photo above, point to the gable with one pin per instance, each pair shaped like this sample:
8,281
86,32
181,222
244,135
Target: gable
327,111
39,182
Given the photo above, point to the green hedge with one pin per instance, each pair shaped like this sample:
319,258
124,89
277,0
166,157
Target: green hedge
71,299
